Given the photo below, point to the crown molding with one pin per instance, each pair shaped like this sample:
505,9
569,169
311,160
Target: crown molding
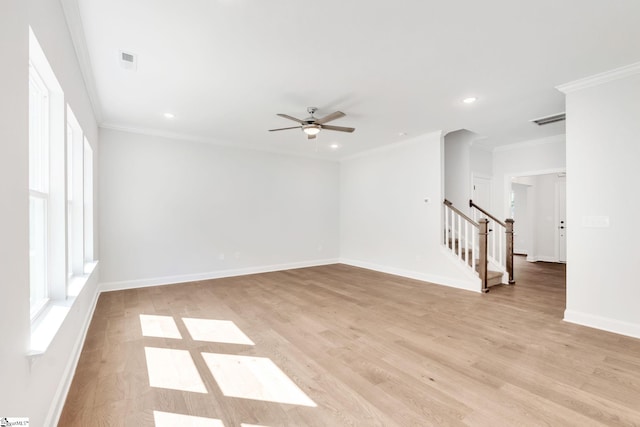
555,139
76,30
177,136
384,148
598,79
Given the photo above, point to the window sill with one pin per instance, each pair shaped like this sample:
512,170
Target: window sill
48,323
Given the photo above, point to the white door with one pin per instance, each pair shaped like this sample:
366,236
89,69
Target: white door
481,194
561,219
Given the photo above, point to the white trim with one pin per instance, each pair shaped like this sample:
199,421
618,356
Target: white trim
557,203
60,396
177,136
603,323
598,79
467,285
532,143
76,30
184,278
508,177
390,147
543,258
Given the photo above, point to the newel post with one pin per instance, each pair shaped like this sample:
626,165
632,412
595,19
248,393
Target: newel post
482,262
509,236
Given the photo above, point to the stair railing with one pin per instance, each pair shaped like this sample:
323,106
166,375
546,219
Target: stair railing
467,240
500,240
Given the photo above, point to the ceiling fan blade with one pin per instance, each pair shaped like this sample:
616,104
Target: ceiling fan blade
330,117
311,137
295,127
338,128
286,116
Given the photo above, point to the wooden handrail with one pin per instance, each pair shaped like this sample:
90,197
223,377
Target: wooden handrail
456,210
473,205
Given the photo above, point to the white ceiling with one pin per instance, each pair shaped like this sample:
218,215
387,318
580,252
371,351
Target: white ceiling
226,67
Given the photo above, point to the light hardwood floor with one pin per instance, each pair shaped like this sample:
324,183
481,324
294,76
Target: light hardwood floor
368,349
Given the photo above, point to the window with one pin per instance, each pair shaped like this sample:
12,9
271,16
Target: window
75,194
69,199
60,202
46,182
88,202
38,189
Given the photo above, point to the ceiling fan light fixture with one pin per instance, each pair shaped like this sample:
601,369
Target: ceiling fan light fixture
311,129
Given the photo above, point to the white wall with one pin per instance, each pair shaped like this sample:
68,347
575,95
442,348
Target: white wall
602,183
457,168
386,225
481,161
14,215
174,211
528,158
35,390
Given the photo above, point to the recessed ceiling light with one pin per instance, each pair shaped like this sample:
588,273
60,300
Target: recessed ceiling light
470,100
168,115
334,146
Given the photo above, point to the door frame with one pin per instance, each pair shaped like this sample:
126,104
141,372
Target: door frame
507,193
557,221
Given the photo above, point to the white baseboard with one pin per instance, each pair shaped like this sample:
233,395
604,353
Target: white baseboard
468,285
170,280
543,258
60,397
603,323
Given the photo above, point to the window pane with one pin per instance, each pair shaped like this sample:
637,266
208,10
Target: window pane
69,239
69,175
69,162
38,133
88,201
37,251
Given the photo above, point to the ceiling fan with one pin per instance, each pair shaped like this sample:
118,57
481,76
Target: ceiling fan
312,125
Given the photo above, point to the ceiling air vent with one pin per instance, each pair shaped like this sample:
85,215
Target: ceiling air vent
128,60
550,119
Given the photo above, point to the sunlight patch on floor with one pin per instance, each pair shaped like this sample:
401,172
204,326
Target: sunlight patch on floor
223,331
159,326
173,369
256,378
168,419
251,425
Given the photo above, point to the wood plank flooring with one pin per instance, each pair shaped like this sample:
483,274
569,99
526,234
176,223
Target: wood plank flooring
368,349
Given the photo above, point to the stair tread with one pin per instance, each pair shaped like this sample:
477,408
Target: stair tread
492,274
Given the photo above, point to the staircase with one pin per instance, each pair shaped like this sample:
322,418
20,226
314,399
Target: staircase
484,245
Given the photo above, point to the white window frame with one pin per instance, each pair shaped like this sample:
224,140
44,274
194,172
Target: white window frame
47,182
38,191
68,219
88,202
75,197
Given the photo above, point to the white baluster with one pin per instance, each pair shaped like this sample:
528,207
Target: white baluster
459,237
453,231
501,247
493,238
473,250
466,239
446,225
